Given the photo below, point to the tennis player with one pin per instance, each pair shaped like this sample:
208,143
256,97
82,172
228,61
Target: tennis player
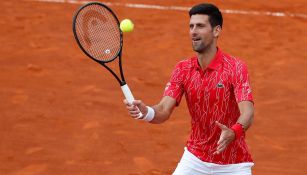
219,98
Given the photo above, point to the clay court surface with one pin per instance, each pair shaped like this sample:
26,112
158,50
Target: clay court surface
62,113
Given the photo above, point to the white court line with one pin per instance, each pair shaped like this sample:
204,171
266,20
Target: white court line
181,8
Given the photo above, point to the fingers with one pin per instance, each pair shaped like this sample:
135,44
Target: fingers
136,102
126,102
226,138
221,126
220,140
132,109
221,147
136,109
135,113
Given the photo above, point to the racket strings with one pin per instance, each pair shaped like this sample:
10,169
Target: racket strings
98,32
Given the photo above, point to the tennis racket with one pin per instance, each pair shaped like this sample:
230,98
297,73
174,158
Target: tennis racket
97,32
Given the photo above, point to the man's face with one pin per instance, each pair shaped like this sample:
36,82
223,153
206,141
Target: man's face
201,32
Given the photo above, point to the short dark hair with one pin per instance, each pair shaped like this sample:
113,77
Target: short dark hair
215,15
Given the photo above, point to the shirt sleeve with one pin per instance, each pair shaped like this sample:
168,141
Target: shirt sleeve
174,88
242,87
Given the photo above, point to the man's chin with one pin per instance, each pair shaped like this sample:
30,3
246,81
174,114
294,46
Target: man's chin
198,50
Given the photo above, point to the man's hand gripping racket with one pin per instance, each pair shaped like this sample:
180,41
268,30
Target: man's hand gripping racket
97,32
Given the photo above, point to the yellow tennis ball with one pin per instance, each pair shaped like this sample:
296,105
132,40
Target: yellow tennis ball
126,25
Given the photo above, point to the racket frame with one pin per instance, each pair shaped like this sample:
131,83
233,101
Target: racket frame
121,81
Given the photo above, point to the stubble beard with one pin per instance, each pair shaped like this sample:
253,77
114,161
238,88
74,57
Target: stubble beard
199,47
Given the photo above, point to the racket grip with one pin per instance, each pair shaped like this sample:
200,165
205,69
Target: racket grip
129,97
127,93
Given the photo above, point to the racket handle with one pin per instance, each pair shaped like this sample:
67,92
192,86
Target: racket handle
129,97
127,93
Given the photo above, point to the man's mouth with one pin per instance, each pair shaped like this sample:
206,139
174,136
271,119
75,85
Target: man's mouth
195,39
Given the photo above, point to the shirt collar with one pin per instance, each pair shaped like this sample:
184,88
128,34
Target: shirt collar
215,62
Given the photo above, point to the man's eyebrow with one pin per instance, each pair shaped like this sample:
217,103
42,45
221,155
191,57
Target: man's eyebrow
198,23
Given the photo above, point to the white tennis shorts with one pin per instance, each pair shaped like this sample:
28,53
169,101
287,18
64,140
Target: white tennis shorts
192,165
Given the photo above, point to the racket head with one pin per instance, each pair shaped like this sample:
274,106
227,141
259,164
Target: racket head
97,32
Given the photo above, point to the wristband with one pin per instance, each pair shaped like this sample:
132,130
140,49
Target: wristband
238,130
150,114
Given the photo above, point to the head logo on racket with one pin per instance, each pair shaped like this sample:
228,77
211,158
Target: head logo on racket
91,18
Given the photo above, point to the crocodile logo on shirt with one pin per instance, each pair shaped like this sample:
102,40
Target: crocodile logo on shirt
220,85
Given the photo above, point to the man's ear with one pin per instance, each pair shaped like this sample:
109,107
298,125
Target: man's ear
217,30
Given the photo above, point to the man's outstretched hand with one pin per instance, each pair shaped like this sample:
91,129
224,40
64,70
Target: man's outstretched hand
226,137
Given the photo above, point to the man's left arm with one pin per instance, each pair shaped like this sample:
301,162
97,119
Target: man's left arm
247,114
245,120
238,130
244,98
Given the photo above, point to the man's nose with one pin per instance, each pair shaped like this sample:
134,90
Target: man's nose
193,30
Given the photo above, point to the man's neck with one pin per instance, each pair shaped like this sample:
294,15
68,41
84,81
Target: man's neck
206,57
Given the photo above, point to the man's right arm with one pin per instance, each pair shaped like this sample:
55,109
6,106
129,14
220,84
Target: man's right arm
163,110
